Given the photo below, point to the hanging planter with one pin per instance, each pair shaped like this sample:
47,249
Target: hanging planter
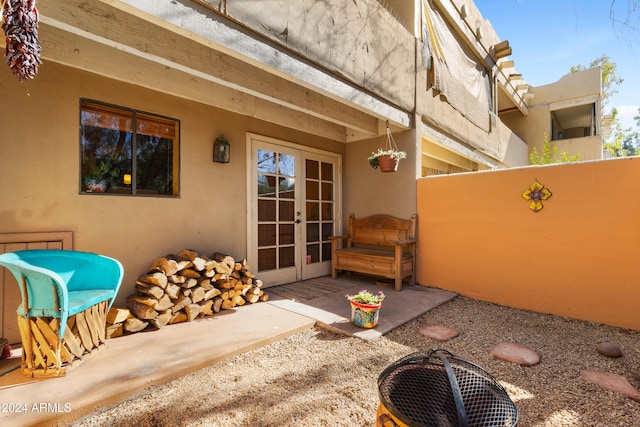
388,156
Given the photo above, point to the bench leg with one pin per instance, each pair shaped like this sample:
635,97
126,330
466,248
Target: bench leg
398,282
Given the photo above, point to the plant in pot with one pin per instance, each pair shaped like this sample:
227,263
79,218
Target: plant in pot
99,179
387,160
365,308
388,156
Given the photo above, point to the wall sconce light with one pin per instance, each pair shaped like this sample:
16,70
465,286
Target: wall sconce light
221,150
126,179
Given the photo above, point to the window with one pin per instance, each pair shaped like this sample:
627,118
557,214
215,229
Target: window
109,138
573,122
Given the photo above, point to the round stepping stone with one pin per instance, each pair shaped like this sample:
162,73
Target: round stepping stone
438,333
612,382
515,353
609,349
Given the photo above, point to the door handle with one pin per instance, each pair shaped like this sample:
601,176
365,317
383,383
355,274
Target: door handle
297,221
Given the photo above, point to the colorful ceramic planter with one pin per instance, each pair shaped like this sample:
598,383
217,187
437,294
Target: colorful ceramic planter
365,315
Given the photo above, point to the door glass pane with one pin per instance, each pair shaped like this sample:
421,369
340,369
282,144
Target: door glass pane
327,230
266,210
313,192
313,171
266,161
313,253
266,234
327,211
326,251
313,211
327,171
266,185
327,191
287,236
266,259
287,208
287,188
313,232
286,165
287,256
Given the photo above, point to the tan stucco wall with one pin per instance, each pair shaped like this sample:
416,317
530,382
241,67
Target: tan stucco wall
577,257
39,172
570,90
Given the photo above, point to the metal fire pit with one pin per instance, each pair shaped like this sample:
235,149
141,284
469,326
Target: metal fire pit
440,390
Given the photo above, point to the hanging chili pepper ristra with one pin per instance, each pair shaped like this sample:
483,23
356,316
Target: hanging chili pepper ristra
20,26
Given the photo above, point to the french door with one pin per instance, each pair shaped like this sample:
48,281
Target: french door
294,198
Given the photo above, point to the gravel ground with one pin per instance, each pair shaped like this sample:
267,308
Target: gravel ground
318,378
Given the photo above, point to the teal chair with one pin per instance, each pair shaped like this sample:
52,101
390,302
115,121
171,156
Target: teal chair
65,299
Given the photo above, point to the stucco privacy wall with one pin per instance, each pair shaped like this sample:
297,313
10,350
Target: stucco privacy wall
577,257
39,172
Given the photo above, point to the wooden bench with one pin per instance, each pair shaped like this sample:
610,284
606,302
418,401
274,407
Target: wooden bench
380,245
65,299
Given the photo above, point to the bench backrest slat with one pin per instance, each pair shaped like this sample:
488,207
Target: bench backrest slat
381,230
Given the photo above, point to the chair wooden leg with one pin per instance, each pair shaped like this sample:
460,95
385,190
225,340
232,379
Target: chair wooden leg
44,354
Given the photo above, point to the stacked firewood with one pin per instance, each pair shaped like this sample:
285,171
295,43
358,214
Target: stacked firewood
184,287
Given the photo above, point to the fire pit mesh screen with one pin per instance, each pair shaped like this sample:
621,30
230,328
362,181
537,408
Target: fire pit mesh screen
420,390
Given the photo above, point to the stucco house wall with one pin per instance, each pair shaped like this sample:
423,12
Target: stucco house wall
39,172
574,89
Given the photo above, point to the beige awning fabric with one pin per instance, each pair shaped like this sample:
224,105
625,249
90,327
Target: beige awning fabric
461,79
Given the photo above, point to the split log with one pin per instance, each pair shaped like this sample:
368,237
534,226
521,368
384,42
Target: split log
206,308
115,330
117,315
180,303
178,317
161,319
192,311
197,294
142,311
176,278
133,324
199,263
212,293
164,303
190,283
155,291
250,298
190,273
168,267
142,299
157,278
181,262
172,290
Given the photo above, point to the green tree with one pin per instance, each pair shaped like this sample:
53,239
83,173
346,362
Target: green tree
623,142
550,154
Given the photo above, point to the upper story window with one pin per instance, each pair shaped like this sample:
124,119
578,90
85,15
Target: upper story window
124,151
573,122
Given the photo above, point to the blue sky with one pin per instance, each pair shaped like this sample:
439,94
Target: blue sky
549,36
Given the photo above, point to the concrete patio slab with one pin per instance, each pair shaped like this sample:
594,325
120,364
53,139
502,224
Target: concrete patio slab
129,364
333,311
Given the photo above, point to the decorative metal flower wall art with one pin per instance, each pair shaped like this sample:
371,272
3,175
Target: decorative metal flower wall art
536,193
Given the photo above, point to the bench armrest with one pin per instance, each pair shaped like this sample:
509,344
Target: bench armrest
338,237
